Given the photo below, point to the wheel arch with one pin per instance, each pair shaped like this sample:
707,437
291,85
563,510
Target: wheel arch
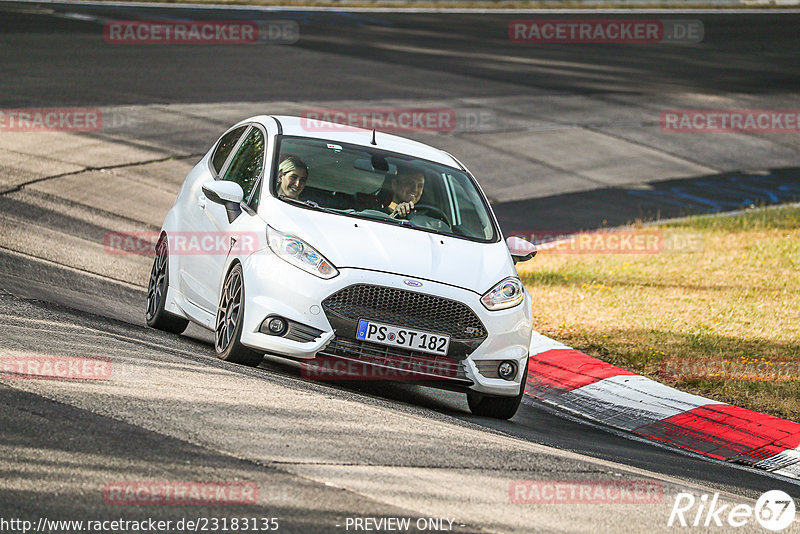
173,268
232,262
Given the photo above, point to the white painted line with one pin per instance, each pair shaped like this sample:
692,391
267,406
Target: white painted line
540,344
780,461
791,471
630,401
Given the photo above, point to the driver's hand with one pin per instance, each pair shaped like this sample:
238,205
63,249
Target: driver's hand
403,209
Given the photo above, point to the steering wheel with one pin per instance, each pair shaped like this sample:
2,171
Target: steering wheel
432,211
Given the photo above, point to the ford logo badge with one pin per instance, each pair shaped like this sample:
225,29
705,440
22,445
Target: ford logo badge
412,283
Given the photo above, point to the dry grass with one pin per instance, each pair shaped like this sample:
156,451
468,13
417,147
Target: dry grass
732,297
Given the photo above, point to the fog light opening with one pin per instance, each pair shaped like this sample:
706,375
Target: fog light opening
275,326
507,370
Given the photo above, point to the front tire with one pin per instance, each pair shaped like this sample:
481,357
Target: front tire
230,316
155,315
497,407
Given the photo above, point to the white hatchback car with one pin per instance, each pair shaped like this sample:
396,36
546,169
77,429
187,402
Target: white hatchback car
347,252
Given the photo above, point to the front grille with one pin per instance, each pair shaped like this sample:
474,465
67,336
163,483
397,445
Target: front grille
406,308
397,358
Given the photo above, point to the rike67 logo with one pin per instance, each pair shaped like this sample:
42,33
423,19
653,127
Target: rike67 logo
774,510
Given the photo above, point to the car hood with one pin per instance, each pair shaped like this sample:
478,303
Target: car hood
350,242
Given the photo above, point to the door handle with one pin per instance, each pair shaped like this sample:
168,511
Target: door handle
201,201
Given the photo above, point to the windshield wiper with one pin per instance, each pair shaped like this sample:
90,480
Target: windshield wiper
386,219
402,222
309,203
313,205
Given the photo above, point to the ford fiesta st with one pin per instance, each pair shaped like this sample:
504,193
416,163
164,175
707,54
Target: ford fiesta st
320,243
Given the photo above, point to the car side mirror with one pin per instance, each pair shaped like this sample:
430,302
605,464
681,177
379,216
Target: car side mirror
225,193
520,249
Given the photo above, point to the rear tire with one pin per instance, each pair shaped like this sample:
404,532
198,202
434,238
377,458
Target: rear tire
230,316
155,314
494,406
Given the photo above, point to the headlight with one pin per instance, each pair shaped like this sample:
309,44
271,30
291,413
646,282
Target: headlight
300,254
504,295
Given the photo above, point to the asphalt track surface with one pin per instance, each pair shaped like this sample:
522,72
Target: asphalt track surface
323,452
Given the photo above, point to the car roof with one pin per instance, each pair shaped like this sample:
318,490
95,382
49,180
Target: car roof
297,126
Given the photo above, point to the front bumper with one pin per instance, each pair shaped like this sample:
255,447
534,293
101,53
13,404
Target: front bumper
274,287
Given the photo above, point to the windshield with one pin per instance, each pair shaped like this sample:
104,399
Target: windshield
356,181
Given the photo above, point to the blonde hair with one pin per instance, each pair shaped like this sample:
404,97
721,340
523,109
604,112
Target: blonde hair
290,163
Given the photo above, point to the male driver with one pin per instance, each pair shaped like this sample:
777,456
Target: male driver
406,191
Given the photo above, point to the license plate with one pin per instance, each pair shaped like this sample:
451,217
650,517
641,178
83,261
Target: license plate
402,337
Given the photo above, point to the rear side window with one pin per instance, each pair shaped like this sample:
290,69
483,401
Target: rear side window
224,148
247,164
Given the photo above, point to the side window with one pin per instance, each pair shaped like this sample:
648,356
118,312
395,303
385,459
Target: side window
224,147
468,220
252,199
247,164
